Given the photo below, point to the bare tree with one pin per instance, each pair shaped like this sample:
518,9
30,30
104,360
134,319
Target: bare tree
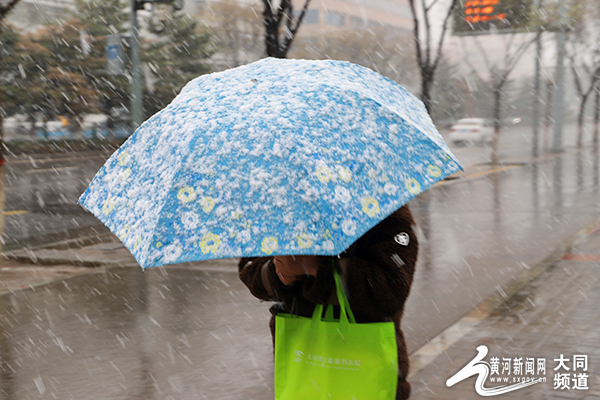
596,114
379,49
582,70
594,13
281,26
584,57
4,10
428,55
499,76
548,114
236,32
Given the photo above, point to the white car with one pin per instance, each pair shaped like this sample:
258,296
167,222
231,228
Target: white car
471,130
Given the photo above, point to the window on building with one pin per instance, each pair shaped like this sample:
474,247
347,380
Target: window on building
335,18
358,23
310,18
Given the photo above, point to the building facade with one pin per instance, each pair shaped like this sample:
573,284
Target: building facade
325,17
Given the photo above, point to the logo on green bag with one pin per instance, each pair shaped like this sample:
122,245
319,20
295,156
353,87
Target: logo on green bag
327,362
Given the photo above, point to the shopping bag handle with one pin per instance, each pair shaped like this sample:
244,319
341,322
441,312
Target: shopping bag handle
346,314
342,299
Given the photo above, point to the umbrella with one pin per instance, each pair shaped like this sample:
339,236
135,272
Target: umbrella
274,157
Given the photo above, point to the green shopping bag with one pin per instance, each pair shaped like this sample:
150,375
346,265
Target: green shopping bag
323,358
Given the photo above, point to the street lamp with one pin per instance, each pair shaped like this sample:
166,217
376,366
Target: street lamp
136,73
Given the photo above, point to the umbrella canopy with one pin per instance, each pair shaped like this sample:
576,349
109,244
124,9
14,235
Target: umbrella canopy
275,157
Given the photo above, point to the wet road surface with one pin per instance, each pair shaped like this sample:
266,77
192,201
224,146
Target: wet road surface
41,197
178,332
478,235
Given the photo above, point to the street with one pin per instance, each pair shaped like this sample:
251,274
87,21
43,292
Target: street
41,197
194,331
41,200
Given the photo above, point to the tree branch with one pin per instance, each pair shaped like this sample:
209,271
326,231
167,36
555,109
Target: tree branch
444,28
281,10
288,40
512,61
482,51
427,34
416,34
467,60
300,18
6,8
595,77
431,5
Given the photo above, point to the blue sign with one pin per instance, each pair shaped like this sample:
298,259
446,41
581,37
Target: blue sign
114,55
112,51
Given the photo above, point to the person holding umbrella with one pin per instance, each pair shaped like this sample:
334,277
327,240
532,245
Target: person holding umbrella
302,169
377,271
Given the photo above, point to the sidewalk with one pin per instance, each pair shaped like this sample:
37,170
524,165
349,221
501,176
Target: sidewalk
558,313
15,275
88,252
29,268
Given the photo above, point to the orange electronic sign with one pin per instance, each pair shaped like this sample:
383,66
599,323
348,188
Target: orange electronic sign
482,10
480,16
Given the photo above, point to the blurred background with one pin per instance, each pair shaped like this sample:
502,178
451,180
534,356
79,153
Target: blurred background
67,66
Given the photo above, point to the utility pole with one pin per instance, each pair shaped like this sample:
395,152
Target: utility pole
536,85
4,10
136,69
559,93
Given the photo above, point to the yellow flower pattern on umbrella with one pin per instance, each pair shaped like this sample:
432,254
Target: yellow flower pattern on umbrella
137,242
186,194
207,204
304,241
123,158
125,174
109,206
269,245
413,186
345,174
370,206
124,232
324,173
210,243
434,171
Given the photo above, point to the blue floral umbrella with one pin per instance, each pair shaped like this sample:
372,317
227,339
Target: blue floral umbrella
275,157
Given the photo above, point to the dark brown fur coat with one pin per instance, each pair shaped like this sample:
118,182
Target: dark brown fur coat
378,272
